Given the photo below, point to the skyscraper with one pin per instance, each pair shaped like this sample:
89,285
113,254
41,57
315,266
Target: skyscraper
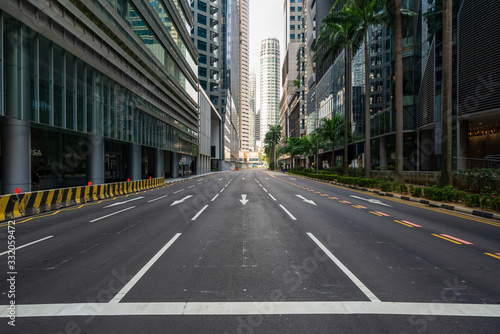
114,79
244,76
206,36
269,84
252,123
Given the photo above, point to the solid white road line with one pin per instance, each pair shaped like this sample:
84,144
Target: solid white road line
28,244
346,271
178,191
157,198
257,308
214,198
272,197
141,272
288,212
199,212
111,214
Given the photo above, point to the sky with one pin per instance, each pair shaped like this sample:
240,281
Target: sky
266,17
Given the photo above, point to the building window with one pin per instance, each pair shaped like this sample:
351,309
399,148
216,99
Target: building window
292,36
299,9
202,72
292,18
203,59
292,9
202,32
202,6
202,19
292,27
202,46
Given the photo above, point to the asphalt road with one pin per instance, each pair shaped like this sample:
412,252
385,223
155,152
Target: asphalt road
252,252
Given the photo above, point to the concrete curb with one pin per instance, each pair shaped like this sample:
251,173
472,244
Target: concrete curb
413,199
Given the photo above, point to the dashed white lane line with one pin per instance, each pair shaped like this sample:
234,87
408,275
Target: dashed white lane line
346,271
178,191
213,199
111,214
116,299
194,185
155,199
28,244
199,212
288,212
272,197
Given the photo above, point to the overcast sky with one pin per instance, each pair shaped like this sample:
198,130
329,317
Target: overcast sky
266,17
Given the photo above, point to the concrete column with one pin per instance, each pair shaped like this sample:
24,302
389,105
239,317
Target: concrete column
135,161
159,167
174,170
383,152
95,159
16,152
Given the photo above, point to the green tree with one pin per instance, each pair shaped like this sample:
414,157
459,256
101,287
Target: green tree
367,13
340,32
273,136
332,129
392,16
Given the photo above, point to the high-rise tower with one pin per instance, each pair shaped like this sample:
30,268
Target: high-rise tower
244,68
269,84
253,109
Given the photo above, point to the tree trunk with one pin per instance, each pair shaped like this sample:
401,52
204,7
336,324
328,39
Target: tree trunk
368,163
446,113
399,94
274,155
348,106
333,154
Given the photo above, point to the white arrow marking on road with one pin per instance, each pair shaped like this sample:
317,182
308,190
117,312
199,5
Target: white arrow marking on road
181,200
267,178
310,201
220,179
243,199
371,200
243,178
130,200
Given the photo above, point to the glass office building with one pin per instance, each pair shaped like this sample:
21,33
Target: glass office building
96,91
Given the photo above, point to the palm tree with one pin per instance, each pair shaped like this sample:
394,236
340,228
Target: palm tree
367,12
393,16
446,112
332,129
340,32
272,138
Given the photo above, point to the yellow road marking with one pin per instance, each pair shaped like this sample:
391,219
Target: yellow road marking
377,214
493,255
23,221
419,205
397,221
450,240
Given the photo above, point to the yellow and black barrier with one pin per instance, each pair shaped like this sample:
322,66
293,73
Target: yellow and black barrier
32,203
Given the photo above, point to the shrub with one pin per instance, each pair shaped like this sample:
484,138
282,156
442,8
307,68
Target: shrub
403,188
386,186
416,191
